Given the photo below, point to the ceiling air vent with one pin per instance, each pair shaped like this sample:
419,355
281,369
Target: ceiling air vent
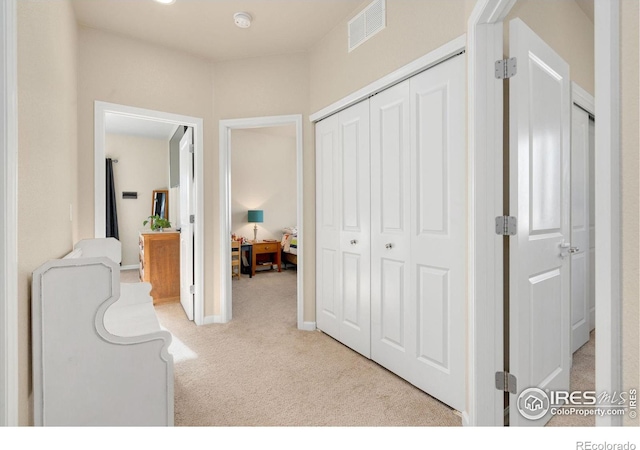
367,23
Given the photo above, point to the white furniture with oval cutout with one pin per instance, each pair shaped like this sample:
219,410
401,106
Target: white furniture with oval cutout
100,357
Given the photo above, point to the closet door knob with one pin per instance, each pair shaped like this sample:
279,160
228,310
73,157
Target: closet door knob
354,242
389,246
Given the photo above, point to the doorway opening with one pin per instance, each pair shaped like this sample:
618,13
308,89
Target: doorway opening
189,207
261,211
583,219
264,220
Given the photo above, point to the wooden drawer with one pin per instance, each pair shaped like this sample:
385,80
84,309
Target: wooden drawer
266,247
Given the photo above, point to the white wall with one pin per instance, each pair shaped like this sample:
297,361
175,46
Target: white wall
125,71
143,166
263,176
47,155
414,28
257,87
630,111
565,27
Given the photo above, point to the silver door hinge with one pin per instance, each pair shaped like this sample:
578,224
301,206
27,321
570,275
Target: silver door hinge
192,219
506,68
506,226
192,289
506,382
192,148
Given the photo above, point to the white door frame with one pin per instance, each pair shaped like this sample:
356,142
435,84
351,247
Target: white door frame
225,208
8,215
485,306
608,204
582,98
101,110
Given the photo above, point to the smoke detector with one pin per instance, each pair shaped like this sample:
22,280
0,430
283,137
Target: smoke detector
242,19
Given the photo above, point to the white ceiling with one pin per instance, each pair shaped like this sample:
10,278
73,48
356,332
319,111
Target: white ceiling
133,126
206,27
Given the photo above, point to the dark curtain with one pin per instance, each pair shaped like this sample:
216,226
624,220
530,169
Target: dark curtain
112,214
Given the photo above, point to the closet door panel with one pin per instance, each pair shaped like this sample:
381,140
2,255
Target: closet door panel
328,188
391,167
355,317
580,228
352,173
438,230
391,296
431,157
433,316
392,305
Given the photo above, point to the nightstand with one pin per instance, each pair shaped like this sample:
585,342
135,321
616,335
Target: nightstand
266,253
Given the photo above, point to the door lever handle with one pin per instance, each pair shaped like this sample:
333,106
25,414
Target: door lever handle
354,242
389,246
565,249
574,250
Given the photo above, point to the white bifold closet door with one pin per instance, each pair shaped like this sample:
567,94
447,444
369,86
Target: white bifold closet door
418,230
343,222
391,215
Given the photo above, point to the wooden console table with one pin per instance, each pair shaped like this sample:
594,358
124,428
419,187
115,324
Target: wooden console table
266,252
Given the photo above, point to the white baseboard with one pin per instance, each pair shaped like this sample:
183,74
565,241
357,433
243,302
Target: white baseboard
308,326
131,267
216,318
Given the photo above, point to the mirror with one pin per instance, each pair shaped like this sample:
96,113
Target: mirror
160,204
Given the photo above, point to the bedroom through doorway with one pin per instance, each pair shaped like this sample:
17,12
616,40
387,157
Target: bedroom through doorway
264,228
260,205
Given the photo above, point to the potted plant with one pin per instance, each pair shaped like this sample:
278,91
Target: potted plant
157,223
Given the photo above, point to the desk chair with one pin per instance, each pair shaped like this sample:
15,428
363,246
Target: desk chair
235,259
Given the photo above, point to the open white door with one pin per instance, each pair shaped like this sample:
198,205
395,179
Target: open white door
540,262
580,228
186,223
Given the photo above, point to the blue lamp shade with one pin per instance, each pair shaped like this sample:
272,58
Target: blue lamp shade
256,215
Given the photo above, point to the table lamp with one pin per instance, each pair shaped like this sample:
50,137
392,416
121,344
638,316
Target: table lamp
256,216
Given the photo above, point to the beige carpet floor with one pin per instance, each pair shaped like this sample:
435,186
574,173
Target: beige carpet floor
259,370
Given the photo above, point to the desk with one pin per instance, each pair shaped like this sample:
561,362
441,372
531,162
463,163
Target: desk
266,252
248,248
